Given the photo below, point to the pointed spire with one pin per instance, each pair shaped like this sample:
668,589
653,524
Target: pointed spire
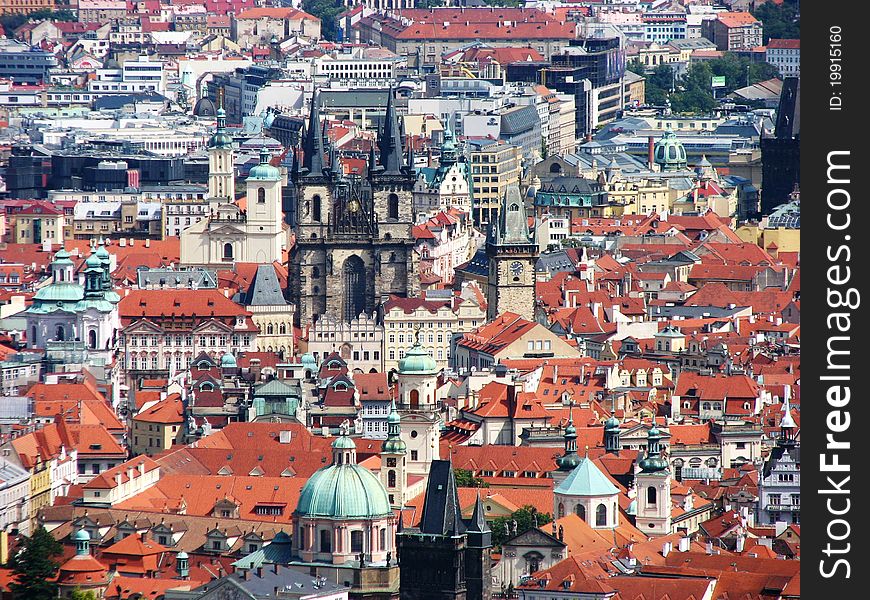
312,147
478,522
390,140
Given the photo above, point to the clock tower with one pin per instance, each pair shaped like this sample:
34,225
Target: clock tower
512,253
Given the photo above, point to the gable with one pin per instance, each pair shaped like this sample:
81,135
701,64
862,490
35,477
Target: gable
534,538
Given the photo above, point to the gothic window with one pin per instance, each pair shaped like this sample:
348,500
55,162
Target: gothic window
354,288
581,511
228,251
92,339
269,329
316,215
601,516
392,206
261,195
651,496
282,329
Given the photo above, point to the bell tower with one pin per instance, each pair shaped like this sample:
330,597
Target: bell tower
653,489
394,475
221,175
512,254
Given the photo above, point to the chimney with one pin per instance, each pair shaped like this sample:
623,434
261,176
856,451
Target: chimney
284,436
741,542
260,572
147,243
666,549
684,544
708,548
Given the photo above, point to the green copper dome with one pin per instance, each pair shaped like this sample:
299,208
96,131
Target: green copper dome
611,424
346,491
228,361
81,536
586,480
417,361
653,462
669,152
93,262
394,444
343,443
62,258
264,171
60,292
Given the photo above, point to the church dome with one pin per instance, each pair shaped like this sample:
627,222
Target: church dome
669,152
652,462
611,424
93,262
264,171
204,107
343,491
228,361
60,292
417,361
80,536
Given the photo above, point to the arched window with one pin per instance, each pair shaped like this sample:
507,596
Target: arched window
392,206
269,329
601,516
555,168
651,496
60,333
228,251
356,541
325,540
315,216
282,329
580,511
391,479
315,272
354,288
414,399
261,195
561,511
92,339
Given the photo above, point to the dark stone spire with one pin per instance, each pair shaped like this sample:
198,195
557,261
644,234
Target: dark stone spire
479,533
390,140
441,514
312,146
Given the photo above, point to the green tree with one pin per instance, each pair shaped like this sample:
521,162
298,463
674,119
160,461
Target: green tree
635,66
78,594
526,517
34,567
12,22
326,11
464,478
779,21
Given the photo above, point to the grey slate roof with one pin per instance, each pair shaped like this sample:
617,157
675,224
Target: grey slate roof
264,289
198,277
519,119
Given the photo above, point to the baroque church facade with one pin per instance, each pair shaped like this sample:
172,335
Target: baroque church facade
229,234
354,246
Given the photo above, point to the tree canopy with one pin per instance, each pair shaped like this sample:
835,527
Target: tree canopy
693,92
34,567
526,517
464,478
780,21
326,11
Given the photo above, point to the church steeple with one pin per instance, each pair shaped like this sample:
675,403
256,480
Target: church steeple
611,434
312,146
787,426
569,460
390,140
